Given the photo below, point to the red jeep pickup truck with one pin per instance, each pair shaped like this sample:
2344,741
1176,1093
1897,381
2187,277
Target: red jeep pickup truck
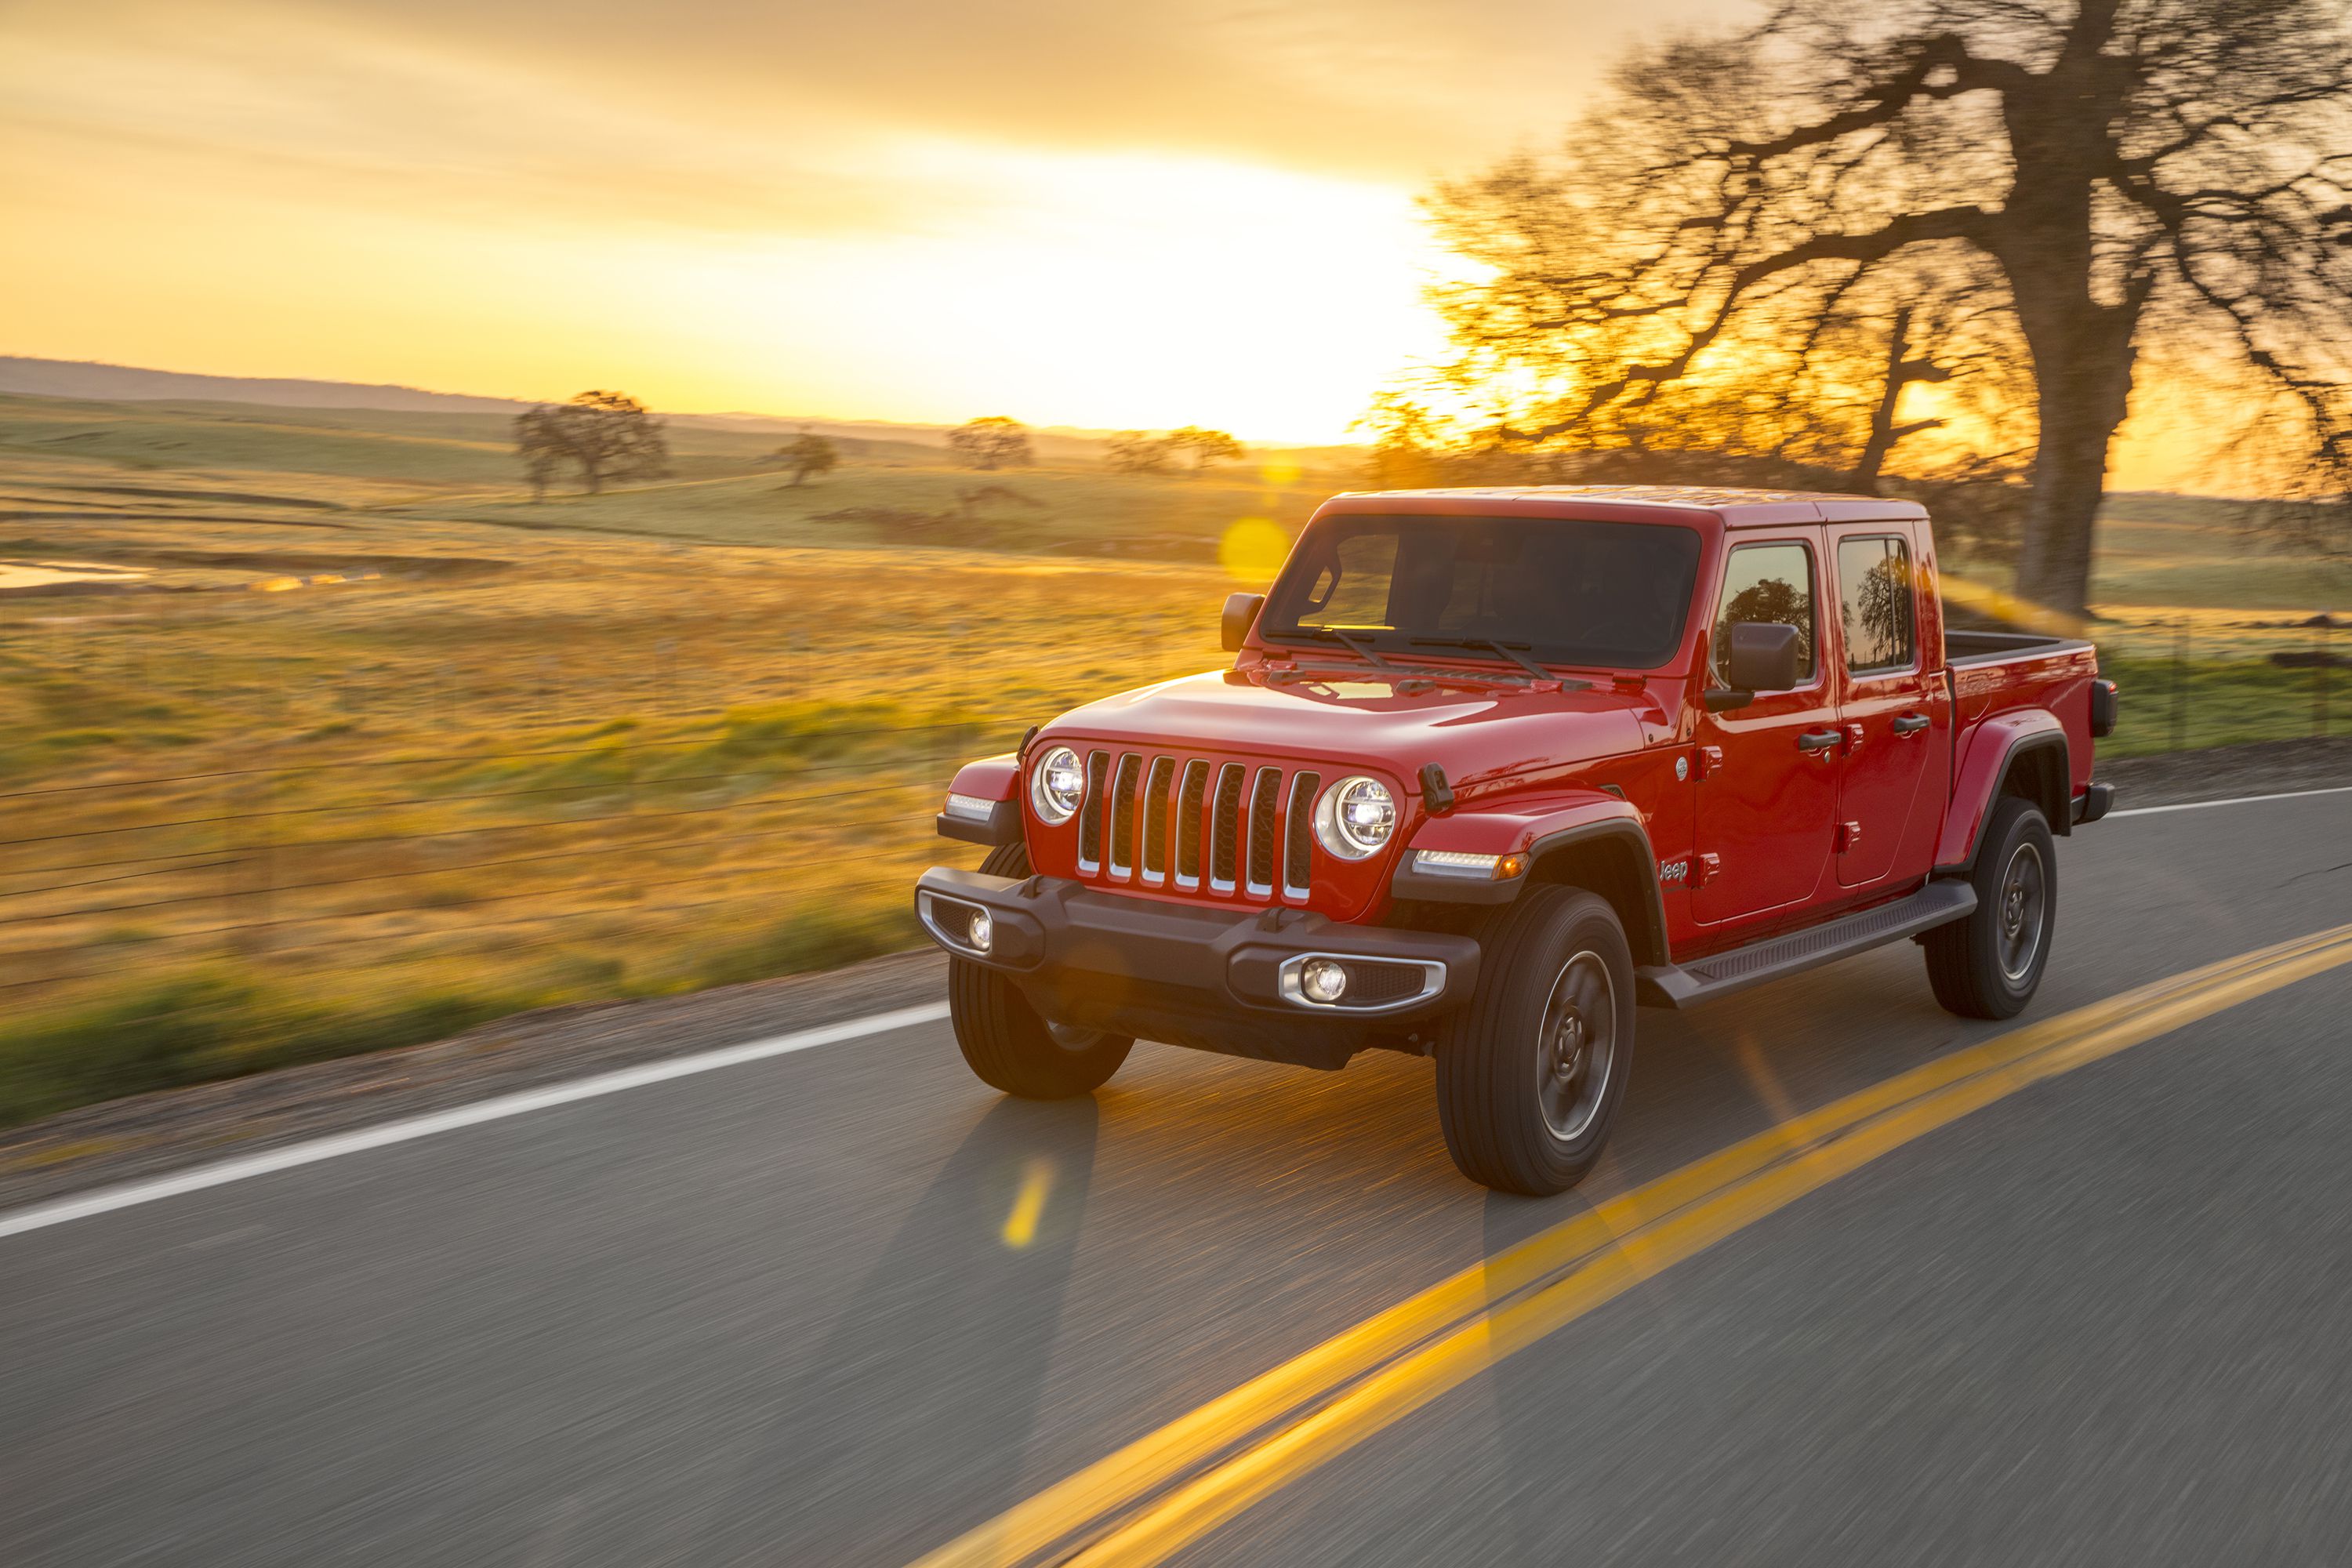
1495,767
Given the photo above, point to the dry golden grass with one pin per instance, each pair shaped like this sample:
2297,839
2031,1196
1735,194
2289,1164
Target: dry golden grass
336,776
378,748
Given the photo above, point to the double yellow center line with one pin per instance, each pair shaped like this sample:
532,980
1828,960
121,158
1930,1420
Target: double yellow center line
1147,1501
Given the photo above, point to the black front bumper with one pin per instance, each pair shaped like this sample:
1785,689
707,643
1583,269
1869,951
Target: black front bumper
1214,979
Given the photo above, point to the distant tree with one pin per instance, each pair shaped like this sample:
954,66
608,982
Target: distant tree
1206,447
605,435
807,455
540,445
1139,452
994,442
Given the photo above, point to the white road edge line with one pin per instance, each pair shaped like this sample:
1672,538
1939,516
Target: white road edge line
2236,800
129,1194
107,1199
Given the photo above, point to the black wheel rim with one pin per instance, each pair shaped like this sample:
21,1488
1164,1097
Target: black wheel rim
2021,914
1576,1048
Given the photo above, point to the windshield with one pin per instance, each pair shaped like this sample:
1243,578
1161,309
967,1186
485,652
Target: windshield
1605,595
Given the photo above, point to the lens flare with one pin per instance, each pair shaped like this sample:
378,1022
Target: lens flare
1253,550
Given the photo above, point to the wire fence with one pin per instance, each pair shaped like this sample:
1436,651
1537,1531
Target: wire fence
2192,678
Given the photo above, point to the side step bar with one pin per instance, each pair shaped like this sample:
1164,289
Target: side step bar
1673,985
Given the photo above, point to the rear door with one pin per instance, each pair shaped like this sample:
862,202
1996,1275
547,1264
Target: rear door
1768,786
1891,708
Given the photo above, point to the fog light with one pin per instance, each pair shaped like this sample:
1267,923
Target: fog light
981,931
1320,980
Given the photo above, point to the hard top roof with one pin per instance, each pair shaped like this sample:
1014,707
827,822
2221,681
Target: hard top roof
1738,507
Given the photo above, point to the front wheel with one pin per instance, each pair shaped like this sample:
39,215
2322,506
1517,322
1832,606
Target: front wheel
1003,1039
1530,1076
1989,965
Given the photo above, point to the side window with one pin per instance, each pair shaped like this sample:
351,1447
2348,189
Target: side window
1769,582
1874,598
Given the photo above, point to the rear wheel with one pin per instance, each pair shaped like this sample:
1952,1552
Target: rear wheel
1003,1038
1530,1076
1989,965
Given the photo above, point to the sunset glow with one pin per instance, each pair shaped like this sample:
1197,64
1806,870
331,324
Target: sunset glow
1082,233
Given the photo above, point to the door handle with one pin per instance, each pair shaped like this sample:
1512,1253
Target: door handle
1819,740
1909,723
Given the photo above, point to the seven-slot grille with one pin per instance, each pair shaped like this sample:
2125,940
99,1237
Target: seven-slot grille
1190,823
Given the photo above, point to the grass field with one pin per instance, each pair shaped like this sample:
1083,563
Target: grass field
316,734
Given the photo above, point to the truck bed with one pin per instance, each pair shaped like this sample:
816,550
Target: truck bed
1998,673
1962,647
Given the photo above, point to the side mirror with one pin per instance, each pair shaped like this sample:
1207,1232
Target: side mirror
1765,656
1240,614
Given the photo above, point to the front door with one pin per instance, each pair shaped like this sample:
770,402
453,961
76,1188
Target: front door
1892,712
1768,777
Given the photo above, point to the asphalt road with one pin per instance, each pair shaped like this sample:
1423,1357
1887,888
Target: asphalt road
837,1307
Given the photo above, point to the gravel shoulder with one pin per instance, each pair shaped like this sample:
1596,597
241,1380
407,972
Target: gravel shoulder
2270,767
147,1135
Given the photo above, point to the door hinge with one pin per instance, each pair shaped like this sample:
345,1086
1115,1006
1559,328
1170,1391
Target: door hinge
1709,761
1848,835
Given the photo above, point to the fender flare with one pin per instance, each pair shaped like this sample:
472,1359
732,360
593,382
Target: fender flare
1546,829
996,780
1994,753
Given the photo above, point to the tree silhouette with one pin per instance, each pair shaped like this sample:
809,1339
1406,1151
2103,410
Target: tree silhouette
1878,615
994,442
541,446
1137,452
806,456
1771,600
604,435
1205,446
2057,190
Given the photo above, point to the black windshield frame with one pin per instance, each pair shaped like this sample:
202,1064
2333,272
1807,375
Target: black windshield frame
1568,592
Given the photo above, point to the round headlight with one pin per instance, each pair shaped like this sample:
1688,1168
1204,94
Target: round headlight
1057,785
1355,817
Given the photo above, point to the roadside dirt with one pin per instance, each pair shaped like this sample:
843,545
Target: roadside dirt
147,1135
2270,767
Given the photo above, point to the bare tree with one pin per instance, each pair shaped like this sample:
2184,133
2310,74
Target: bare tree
605,435
2070,188
994,442
806,456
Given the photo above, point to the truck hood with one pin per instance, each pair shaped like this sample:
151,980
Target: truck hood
1476,734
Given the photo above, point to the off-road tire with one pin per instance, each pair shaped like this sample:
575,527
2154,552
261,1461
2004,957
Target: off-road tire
1974,965
1001,1037
1496,1081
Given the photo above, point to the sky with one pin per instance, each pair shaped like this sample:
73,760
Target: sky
1099,214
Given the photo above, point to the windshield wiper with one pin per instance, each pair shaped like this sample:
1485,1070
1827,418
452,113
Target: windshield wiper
1354,645
1371,655
1507,651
